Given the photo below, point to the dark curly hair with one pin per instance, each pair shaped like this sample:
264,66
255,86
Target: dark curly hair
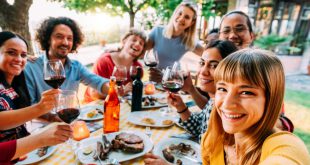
6,35
46,29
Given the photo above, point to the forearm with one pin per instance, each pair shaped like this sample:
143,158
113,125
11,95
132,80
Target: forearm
27,144
13,118
96,95
185,115
199,99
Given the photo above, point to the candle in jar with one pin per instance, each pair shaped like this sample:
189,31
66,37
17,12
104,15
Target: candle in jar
80,131
149,89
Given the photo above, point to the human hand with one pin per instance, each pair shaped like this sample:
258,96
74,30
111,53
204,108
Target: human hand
48,100
54,134
188,83
176,101
128,88
155,75
151,159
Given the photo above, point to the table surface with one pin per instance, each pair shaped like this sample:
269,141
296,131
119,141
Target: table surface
63,155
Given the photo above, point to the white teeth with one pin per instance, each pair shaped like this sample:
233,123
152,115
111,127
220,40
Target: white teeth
232,116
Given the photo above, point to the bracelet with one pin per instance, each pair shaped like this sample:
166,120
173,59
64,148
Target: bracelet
185,109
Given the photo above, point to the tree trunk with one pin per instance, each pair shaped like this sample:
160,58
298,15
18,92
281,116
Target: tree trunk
15,18
132,19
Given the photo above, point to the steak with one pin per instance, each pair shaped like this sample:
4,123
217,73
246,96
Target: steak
128,142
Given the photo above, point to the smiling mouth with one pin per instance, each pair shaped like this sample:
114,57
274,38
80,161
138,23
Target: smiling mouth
233,116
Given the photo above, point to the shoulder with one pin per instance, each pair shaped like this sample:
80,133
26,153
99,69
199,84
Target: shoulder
284,146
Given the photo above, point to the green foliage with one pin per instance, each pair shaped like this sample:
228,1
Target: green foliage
165,8
207,9
270,41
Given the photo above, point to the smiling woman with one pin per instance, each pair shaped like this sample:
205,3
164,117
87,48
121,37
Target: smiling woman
240,133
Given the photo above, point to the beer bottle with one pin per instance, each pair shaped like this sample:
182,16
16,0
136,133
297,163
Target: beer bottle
137,89
111,109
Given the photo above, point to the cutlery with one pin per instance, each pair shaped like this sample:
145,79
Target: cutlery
184,156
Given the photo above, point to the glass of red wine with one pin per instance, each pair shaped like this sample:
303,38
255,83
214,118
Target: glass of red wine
151,59
133,71
120,73
68,107
54,73
172,81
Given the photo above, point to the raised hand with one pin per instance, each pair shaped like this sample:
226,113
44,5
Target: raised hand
176,101
151,159
48,100
54,134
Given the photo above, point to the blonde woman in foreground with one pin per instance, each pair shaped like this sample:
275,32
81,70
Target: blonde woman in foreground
250,88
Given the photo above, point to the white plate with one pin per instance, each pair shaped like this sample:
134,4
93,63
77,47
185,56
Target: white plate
32,157
158,150
158,117
88,108
119,155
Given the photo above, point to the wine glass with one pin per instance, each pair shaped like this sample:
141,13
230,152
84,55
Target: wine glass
172,81
68,107
120,73
133,71
54,73
151,59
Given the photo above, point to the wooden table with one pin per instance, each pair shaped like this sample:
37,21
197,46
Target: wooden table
63,156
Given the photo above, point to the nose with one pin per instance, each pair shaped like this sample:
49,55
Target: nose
205,70
232,35
65,41
230,101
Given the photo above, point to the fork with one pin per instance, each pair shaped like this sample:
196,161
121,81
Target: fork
182,155
148,131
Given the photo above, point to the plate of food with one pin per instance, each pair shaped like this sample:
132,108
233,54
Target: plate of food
38,155
150,119
91,112
179,151
120,146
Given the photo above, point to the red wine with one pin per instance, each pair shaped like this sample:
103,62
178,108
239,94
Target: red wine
152,64
119,82
172,86
133,77
68,115
55,81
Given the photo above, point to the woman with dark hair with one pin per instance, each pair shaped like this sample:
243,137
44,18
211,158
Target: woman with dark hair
15,107
197,123
132,47
240,133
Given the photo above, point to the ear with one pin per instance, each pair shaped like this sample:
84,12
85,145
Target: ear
252,36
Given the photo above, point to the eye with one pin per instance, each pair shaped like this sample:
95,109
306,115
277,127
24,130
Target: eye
24,55
213,66
221,89
11,53
247,93
70,39
201,63
226,31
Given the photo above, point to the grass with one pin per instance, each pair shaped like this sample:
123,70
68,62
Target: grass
298,97
297,108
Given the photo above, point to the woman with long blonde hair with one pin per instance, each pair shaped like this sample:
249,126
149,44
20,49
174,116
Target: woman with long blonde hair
250,86
174,40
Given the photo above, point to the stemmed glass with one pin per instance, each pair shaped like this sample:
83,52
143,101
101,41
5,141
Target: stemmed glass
68,107
151,59
54,73
133,71
120,73
172,81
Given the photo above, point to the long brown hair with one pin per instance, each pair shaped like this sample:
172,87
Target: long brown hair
189,33
263,69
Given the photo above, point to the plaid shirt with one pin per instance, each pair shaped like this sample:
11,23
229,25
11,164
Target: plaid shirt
197,123
7,97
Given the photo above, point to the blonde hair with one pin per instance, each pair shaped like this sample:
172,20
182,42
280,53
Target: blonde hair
189,34
263,69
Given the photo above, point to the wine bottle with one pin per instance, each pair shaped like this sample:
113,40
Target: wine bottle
111,109
137,89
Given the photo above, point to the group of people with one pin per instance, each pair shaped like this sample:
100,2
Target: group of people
240,93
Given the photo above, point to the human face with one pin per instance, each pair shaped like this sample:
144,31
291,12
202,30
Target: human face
208,62
61,42
239,104
235,29
13,57
184,18
133,45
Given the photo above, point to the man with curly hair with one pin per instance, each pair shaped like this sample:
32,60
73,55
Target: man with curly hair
58,37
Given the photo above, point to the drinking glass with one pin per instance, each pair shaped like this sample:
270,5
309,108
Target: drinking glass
151,59
172,81
68,108
120,73
133,71
54,73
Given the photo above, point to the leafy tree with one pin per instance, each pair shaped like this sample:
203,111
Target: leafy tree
113,7
15,18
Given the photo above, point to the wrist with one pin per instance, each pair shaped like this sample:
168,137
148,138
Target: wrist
183,110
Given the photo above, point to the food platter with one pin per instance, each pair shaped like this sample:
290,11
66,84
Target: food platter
33,157
118,155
